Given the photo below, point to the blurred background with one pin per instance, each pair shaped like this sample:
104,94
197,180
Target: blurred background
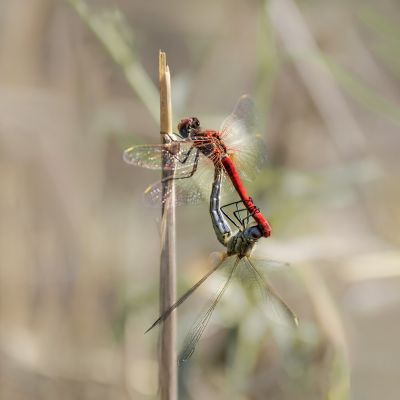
79,252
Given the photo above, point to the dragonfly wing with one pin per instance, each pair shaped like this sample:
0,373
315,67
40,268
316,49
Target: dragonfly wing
201,322
245,146
152,156
276,306
244,112
250,156
204,178
184,297
185,193
188,189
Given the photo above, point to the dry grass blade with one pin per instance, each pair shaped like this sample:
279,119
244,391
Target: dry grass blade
167,359
112,30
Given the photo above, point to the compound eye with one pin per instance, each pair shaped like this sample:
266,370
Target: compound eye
184,131
195,122
255,232
183,127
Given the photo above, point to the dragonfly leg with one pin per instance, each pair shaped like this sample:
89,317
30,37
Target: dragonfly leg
186,156
171,139
191,173
232,203
194,169
243,222
233,221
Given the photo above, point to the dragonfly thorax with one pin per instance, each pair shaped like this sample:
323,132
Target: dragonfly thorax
207,141
210,144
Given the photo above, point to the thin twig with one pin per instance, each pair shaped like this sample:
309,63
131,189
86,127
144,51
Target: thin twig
167,360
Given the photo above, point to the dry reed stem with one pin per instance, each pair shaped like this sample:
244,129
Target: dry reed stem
167,357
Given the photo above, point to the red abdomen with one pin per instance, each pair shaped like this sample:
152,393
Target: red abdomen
248,203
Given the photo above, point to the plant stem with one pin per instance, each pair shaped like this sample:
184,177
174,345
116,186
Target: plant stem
167,357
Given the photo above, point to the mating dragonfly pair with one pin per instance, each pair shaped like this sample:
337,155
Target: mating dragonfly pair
225,152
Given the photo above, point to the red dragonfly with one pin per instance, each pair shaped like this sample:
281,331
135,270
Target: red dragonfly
234,149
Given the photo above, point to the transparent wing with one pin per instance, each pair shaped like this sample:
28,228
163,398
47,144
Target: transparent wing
201,322
188,189
248,155
186,192
243,113
277,308
177,154
184,297
245,146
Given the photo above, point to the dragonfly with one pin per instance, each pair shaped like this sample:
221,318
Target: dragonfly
236,261
234,149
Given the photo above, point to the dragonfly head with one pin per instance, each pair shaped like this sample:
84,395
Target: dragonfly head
243,242
187,125
253,233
